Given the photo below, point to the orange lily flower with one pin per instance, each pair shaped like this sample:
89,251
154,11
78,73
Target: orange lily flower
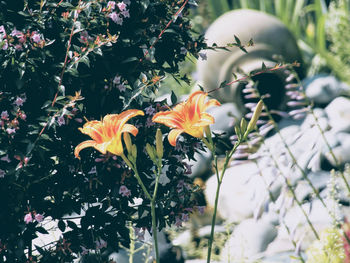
189,116
106,134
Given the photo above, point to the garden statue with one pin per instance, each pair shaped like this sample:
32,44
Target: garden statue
272,43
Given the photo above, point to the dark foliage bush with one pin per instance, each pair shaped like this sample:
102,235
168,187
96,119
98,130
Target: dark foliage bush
65,62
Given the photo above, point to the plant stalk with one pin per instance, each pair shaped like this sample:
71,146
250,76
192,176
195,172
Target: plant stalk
219,180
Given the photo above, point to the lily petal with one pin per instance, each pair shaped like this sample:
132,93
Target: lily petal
83,145
211,102
94,129
130,129
128,114
196,103
168,118
205,120
110,122
172,136
116,146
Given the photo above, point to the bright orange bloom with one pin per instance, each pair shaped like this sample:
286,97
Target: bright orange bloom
189,116
106,134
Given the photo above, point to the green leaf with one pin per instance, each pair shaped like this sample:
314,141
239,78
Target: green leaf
85,60
61,225
238,41
41,230
173,98
39,249
131,59
66,4
72,225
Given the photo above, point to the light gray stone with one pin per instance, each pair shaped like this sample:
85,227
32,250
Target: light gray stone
322,88
341,152
318,179
225,117
338,112
202,164
248,240
242,192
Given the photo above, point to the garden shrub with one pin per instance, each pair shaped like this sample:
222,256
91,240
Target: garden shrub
66,62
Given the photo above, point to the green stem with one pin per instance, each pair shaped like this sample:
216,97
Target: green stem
132,243
290,187
210,241
153,212
154,229
126,160
337,164
294,160
152,199
219,180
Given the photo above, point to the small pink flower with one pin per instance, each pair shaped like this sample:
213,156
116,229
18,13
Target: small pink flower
150,110
18,47
11,130
5,45
36,37
121,6
84,251
124,191
178,221
2,32
116,79
126,13
4,115
111,5
5,158
28,218
100,244
39,217
2,173
149,123
114,16
200,209
121,87
23,116
60,121
19,101
140,233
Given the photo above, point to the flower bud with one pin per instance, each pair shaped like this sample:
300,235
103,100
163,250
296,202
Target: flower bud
207,132
243,125
127,141
134,151
150,151
255,117
159,143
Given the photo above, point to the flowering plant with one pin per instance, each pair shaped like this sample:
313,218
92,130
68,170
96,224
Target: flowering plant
66,61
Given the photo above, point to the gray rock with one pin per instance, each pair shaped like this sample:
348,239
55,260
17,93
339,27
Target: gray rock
202,164
299,230
318,179
185,238
248,240
338,112
285,257
225,117
243,192
323,88
341,152
146,253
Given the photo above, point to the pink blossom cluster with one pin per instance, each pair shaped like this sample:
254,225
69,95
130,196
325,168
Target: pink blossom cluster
124,191
118,11
8,124
28,218
19,40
